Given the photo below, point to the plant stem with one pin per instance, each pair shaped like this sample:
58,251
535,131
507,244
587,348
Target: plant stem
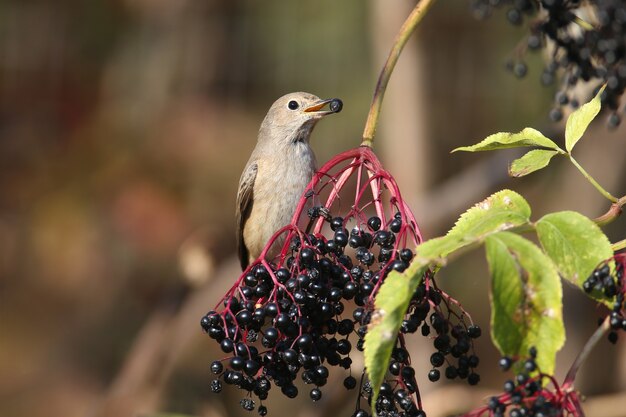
402,37
613,213
619,245
592,181
584,353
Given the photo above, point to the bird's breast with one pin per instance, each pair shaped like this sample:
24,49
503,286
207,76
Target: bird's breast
280,182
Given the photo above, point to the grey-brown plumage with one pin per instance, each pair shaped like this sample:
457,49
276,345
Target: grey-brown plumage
280,167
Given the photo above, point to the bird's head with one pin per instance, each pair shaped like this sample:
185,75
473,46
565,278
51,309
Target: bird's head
293,116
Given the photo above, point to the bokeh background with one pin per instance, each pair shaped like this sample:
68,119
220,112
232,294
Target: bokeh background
124,126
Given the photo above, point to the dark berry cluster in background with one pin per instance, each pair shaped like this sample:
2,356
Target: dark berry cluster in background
585,41
287,322
530,393
611,285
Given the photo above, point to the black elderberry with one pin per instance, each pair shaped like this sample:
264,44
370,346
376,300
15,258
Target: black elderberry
399,266
262,410
243,350
474,331
473,361
530,365
307,256
237,363
395,368
355,240
400,354
290,390
216,386
442,342
437,359
451,372
341,238
227,345
374,223
395,225
473,378
247,404
336,223
349,382
505,363
349,290
509,386
217,367
406,255
434,375
315,394
521,378
216,333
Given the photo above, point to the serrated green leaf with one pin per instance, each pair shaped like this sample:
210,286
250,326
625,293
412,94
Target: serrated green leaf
390,305
575,243
578,121
526,299
505,140
500,211
532,161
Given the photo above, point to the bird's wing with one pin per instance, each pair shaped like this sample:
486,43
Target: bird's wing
245,199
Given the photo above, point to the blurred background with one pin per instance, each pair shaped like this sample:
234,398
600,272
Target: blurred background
124,127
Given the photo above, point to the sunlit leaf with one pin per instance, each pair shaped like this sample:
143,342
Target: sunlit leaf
575,244
390,305
500,211
578,121
526,299
505,140
532,161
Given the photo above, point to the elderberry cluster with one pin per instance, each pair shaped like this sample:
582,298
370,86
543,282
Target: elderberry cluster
612,286
298,316
580,50
528,394
431,311
281,321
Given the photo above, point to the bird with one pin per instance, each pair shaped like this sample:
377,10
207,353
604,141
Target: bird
279,169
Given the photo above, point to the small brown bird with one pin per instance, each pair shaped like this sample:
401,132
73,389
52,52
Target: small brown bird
280,167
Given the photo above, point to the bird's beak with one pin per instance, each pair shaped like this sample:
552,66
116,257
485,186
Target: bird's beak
335,106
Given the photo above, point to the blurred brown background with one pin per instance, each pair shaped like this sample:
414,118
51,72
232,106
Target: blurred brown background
124,126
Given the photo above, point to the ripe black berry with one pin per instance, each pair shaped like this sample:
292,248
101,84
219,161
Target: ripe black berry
349,382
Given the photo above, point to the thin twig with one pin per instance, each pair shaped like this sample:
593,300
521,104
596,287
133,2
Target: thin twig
584,353
403,36
613,213
593,182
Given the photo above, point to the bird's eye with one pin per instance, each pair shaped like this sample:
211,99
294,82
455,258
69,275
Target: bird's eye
293,105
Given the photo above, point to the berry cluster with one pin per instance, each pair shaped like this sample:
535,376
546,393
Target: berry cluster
612,287
580,51
300,314
436,315
530,394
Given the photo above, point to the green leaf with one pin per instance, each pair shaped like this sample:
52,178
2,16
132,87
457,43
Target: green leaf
505,140
575,244
390,304
532,161
500,211
526,299
578,121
